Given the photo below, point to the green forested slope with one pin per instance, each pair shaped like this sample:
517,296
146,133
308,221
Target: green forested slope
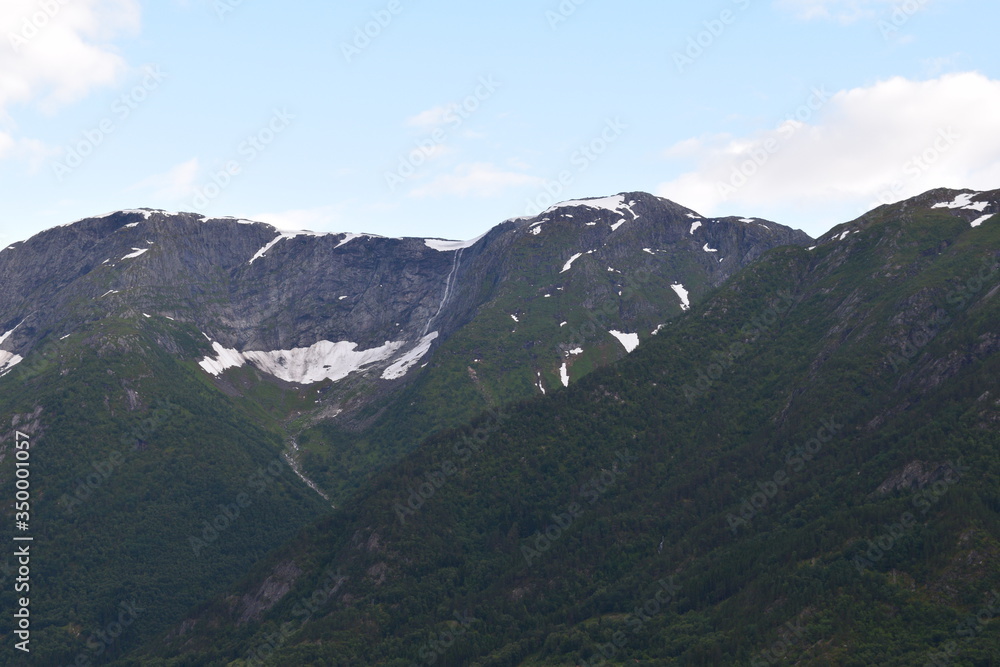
804,468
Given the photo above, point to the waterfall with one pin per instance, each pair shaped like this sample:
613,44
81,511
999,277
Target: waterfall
449,283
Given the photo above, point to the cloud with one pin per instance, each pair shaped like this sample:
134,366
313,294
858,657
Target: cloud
842,11
478,179
431,118
177,183
878,144
56,56
320,218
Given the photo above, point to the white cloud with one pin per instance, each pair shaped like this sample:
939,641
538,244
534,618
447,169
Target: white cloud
843,11
315,219
882,143
431,118
57,56
177,183
478,179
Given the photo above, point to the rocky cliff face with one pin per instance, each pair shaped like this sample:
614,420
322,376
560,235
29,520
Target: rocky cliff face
306,307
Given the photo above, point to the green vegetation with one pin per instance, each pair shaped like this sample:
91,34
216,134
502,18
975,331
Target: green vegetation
714,498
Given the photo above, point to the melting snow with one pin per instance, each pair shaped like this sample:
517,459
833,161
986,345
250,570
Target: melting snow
683,294
695,226
145,315
8,360
979,221
514,317
748,220
659,329
536,230
693,216
615,204
110,291
131,224
629,340
138,252
963,201
7,335
66,336
322,361
843,236
707,249
649,251
540,385
575,351
563,324
564,375
618,224
408,360
568,265
451,246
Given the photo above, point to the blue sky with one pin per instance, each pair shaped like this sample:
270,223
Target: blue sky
448,117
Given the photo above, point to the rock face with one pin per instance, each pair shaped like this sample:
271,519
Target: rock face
250,288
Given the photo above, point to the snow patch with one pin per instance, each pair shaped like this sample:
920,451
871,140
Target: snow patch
649,251
748,220
408,360
707,249
450,246
979,221
562,324
7,335
695,226
658,329
569,264
540,386
138,253
683,294
131,224
514,317
8,360
693,216
305,365
576,351
629,340
961,201
110,291
618,224
564,375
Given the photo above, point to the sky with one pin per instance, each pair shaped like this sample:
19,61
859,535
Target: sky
440,118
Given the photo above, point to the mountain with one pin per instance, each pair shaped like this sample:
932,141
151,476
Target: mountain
324,332
195,392
803,468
